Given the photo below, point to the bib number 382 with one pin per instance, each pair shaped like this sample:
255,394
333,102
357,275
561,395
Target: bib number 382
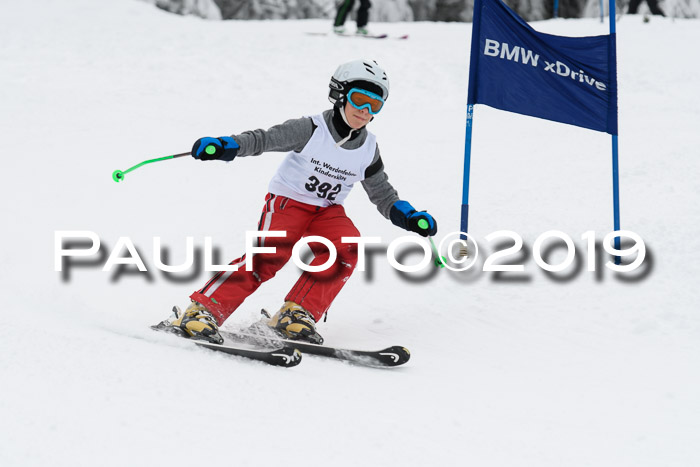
323,190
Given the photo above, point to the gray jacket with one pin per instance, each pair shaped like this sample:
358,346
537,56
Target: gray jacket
293,135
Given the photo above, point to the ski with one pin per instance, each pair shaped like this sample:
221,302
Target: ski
391,356
366,36
282,355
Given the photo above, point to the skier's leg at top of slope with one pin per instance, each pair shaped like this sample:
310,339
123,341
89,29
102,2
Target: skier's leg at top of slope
326,155
344,9
363,17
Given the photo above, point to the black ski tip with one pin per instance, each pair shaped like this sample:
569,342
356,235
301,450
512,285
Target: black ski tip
394,356
286,357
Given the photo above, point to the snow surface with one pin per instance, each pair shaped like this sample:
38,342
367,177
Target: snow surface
588,371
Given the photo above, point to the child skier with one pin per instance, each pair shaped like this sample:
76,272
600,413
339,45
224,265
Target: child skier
327,155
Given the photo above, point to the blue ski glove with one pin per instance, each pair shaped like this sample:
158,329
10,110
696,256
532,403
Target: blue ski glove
404,215
207,149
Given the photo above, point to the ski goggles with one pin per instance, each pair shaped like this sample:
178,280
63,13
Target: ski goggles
361,99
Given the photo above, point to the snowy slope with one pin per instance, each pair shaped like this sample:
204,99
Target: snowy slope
592,370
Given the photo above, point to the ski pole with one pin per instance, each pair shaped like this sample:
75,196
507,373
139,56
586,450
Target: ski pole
118,175
440,261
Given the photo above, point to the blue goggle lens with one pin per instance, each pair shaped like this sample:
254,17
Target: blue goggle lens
361,99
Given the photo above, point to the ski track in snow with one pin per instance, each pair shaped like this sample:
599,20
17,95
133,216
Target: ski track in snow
534,372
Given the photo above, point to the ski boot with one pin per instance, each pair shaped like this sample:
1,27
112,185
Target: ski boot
339,30
362,31
195,322
293,322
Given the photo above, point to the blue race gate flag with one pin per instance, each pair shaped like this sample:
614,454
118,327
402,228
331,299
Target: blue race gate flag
565,79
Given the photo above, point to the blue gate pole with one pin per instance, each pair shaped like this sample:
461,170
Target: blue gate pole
616,193
556,8
464,223
615,161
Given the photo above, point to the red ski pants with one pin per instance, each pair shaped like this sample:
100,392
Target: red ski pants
225,292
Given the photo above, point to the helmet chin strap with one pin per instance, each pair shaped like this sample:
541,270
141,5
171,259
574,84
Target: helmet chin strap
345,119
342,114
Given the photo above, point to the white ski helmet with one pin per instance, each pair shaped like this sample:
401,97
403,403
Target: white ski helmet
363,74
